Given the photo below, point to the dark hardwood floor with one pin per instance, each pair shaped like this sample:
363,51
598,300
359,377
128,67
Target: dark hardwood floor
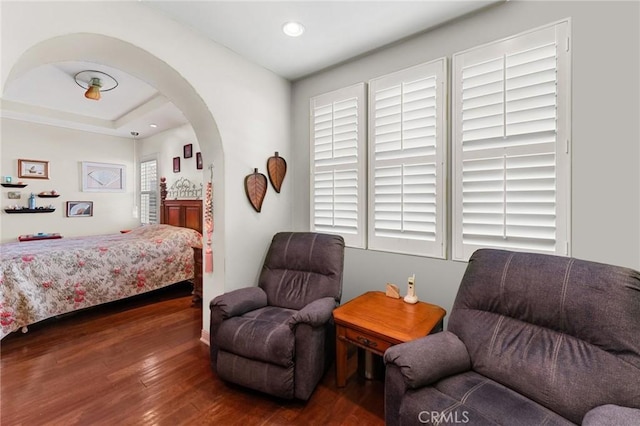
140,362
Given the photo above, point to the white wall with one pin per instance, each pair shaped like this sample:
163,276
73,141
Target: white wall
605,107
64,149
165,146
240,112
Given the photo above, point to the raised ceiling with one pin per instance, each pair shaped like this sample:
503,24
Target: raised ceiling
335,31
49,95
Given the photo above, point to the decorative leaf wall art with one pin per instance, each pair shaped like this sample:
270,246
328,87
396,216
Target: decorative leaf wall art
255,186
277,169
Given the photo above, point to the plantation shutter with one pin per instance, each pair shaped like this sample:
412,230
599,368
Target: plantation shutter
407,134
149,192
338,179
511,144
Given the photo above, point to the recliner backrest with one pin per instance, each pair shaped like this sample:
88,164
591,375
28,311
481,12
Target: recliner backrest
561,331
301,267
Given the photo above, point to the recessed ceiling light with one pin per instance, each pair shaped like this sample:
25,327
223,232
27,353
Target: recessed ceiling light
153,125
293,29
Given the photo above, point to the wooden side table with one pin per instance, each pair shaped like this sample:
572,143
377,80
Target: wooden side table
376,322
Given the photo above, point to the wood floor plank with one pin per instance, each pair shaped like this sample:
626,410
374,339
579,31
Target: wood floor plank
140,362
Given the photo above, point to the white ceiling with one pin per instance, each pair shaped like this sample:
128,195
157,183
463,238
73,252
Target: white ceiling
335,31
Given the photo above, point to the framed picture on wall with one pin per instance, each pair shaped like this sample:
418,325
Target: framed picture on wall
103,177
199,160
79,208
176,164
33,169
187,151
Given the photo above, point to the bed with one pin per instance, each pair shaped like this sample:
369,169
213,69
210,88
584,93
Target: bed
43,279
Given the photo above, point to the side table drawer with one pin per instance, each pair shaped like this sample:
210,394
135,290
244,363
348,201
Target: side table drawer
366,340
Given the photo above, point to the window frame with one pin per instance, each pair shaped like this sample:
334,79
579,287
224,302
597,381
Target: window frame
357,91
436,69
562,30
156,191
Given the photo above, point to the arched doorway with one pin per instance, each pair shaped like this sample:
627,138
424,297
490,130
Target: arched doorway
140,63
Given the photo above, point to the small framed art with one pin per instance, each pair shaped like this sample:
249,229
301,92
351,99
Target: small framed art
33,169
199,160
176,164
187,151
79,208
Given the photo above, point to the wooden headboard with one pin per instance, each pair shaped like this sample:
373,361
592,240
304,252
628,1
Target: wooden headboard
184,213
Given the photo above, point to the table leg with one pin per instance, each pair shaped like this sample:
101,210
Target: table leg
341,358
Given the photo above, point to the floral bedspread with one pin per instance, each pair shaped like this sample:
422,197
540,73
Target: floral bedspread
41,279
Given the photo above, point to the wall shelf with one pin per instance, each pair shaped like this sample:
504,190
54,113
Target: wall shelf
48,195
29,210
14,185
35,237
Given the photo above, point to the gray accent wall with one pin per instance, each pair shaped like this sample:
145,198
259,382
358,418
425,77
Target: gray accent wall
605,126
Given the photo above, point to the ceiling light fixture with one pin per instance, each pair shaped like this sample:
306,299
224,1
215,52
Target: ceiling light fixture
293,29
153,125
95,82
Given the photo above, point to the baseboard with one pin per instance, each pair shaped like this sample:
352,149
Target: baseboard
204,337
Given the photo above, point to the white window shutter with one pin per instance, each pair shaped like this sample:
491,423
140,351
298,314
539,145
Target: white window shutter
149,191
407,134
338,164
511,130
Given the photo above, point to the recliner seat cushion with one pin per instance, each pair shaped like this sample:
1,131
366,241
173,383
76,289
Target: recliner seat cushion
263,335
470,398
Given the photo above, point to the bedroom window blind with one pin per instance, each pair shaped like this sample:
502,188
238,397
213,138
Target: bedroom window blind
511,133
338,162
407,134
149,192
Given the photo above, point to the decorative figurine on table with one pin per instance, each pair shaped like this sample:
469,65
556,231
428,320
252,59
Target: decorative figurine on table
392,291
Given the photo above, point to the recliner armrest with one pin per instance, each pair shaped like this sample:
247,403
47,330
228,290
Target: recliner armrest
610,414
240,301
429,359
315,313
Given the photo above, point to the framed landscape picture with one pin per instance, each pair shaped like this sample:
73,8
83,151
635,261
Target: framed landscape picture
33,169
103,177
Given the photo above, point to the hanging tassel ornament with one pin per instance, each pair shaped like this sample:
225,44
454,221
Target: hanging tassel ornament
208,219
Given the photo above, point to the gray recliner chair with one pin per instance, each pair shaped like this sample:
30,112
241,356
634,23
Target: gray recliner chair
279,337
532,340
